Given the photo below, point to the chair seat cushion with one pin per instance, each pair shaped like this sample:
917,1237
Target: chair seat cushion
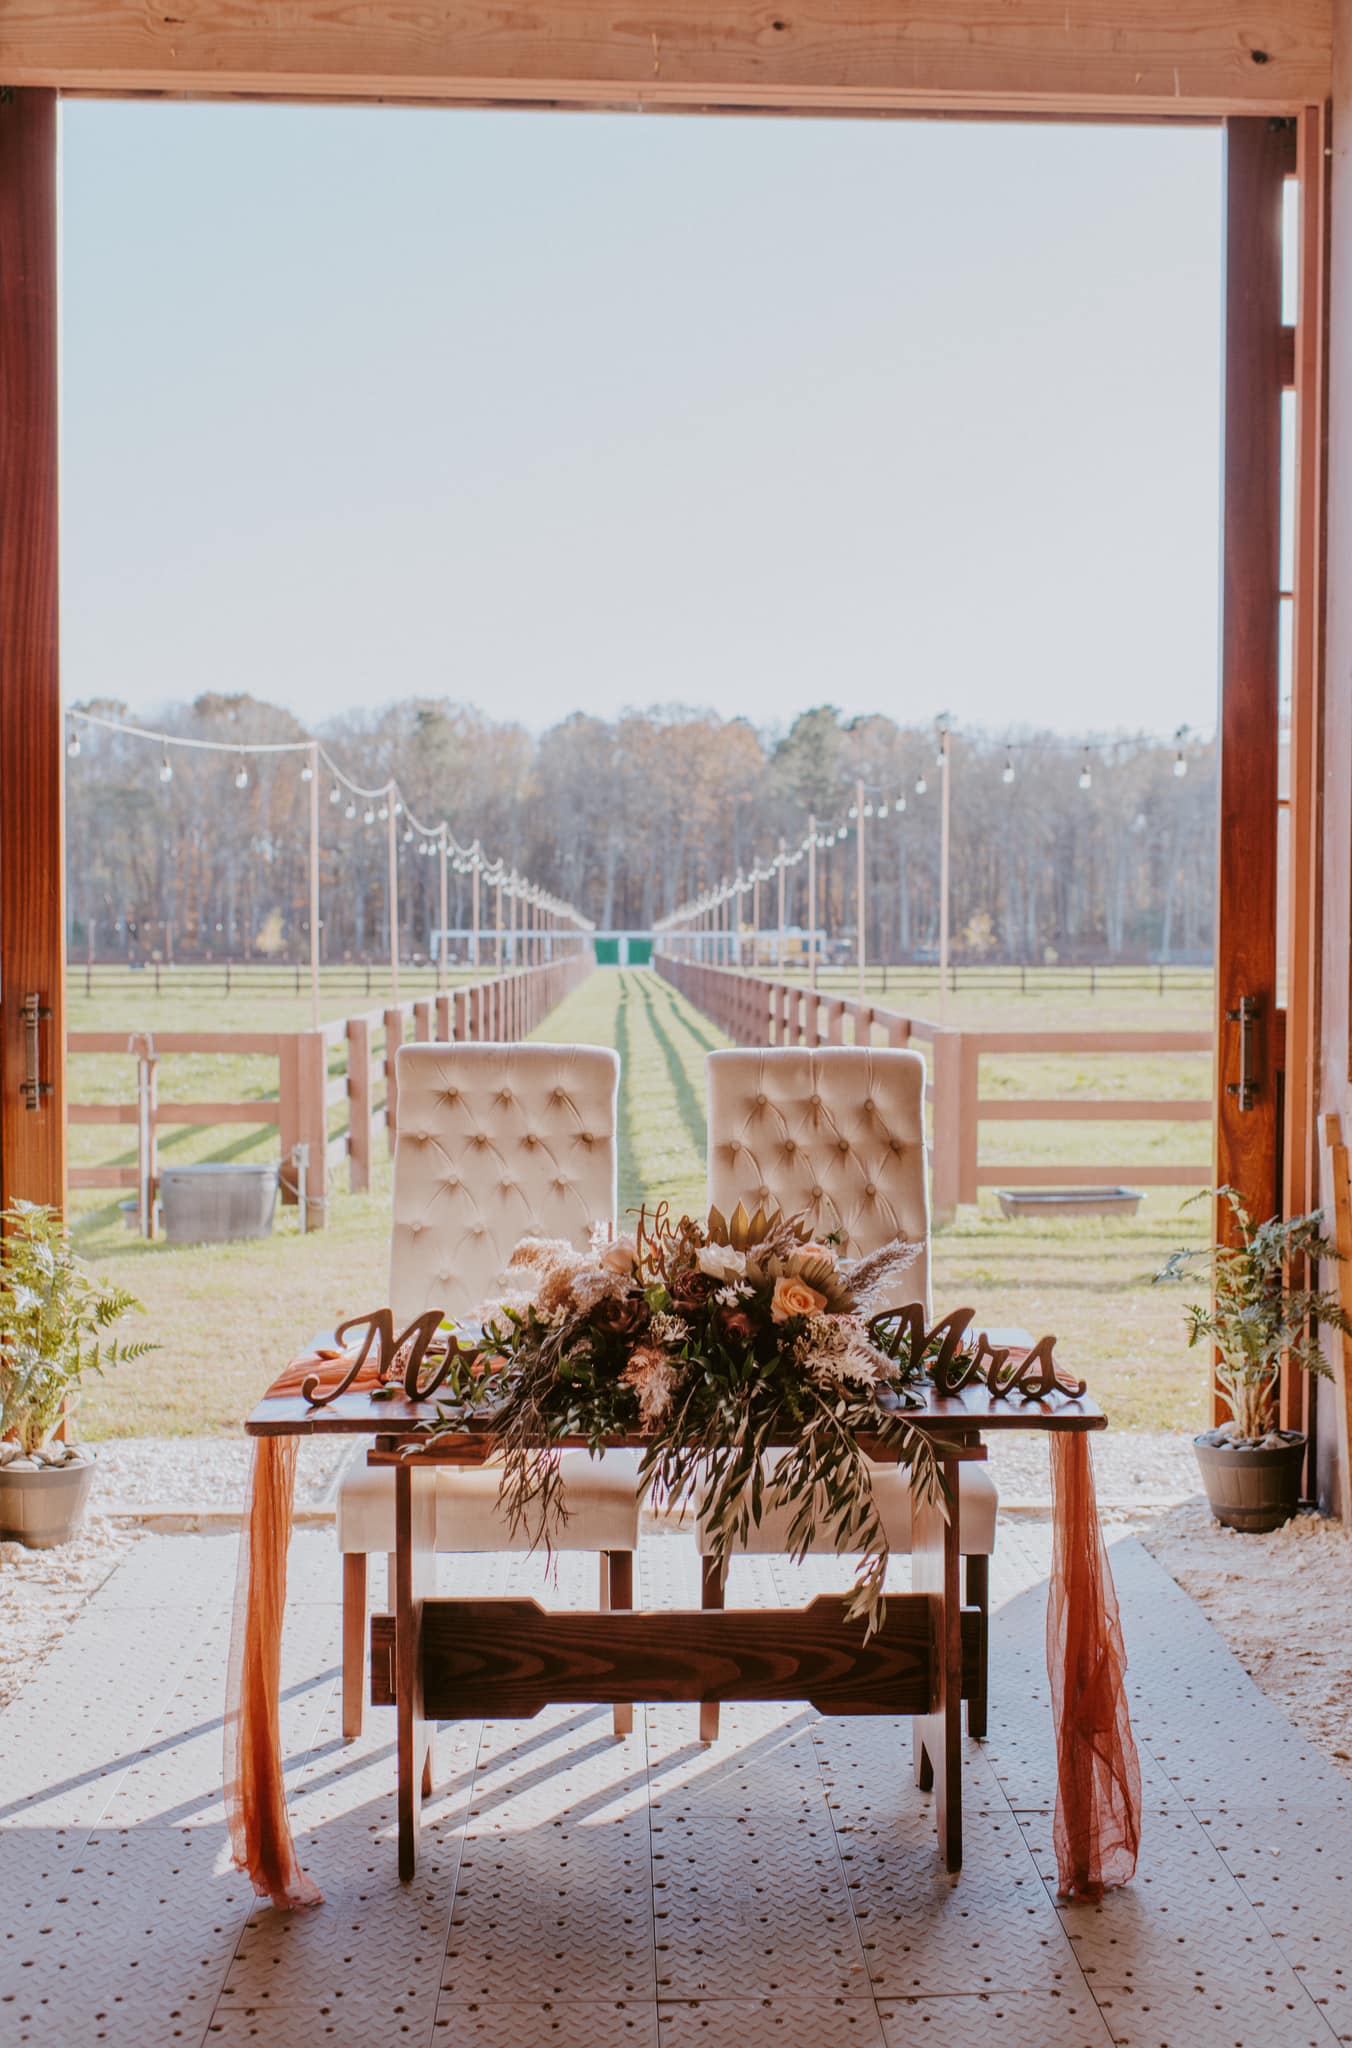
977,1503
600,1496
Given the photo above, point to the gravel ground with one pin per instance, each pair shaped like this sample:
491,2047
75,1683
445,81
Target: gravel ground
1282,1602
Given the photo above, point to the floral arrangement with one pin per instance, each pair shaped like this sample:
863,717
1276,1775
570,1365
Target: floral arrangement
710,1342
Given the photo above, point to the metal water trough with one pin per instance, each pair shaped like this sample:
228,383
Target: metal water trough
1069,1201
212,1204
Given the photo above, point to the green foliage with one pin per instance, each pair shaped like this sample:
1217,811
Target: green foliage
1255,1318
54,1324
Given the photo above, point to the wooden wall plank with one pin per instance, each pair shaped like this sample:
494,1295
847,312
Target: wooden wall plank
32,757
1335,1082
1162,57
1256,158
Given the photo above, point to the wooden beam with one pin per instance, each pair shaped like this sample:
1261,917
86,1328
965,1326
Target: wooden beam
1246,924
1300,1142
509,1659
1141,57
32,830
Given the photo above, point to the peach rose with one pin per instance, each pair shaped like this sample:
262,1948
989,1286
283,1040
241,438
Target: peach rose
620,1257
795,1298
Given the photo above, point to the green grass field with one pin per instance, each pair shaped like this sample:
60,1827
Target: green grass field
227,1315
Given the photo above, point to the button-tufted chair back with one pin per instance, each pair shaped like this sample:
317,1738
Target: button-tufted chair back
495,1143
836,1135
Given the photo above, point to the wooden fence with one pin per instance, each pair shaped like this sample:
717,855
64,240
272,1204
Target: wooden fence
756,1012
346,1066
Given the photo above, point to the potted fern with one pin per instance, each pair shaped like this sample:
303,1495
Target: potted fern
1250,1466
54,1325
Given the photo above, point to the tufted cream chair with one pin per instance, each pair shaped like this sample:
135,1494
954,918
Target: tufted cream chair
837,1134
495,1143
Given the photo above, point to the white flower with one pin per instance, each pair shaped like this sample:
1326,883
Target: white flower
721,1261
667,1329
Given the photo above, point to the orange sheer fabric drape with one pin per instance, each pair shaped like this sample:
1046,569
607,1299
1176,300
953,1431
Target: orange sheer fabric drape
1098,1789
255,1794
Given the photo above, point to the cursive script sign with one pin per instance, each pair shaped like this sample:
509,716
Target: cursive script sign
1006,1369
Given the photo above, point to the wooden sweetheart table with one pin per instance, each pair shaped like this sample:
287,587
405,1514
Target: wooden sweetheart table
468,1659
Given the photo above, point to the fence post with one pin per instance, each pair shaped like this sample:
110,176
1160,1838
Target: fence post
443,1030
461,1004
313,1075
359,1104
947,1150
288,1109
394,1038
968,1124
422,1021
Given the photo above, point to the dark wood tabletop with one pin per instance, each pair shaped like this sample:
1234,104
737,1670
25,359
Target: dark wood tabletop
971,1412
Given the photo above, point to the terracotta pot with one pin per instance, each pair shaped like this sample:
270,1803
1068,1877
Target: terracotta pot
1249,1486
44,1506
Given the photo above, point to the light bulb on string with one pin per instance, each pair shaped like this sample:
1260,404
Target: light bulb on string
408,835
920,784
73,747
307,773
242,776
868,810
351,811
1007,772
882,810
854,810
1086,772
370,816
1180,764
166,766
384,812
335,795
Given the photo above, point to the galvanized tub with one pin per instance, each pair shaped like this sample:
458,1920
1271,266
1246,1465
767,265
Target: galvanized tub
213,1204
1069,1201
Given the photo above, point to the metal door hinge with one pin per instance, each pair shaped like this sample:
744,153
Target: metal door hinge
35,1013
1249,1016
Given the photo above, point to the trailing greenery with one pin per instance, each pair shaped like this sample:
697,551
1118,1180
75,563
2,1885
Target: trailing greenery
1254,1317
54,1325
759,1371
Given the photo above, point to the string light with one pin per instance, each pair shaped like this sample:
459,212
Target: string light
1086,772
920,783
431,838
1007,772
369,816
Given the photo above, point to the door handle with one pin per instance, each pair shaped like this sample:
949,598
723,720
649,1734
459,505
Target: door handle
1249,1017
35,1013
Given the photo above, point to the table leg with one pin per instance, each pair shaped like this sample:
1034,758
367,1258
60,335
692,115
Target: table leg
937,1736
415,1567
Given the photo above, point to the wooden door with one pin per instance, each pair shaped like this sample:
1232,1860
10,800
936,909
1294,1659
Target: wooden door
32,850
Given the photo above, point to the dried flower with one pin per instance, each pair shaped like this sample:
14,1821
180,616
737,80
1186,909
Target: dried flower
651,1374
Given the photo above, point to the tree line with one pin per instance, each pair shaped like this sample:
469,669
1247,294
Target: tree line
628,818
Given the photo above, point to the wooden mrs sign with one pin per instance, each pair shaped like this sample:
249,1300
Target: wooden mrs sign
1006,1369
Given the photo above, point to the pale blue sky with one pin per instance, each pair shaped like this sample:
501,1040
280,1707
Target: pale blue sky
544,412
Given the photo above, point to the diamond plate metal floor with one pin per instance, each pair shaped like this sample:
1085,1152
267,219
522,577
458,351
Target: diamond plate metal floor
782,1888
